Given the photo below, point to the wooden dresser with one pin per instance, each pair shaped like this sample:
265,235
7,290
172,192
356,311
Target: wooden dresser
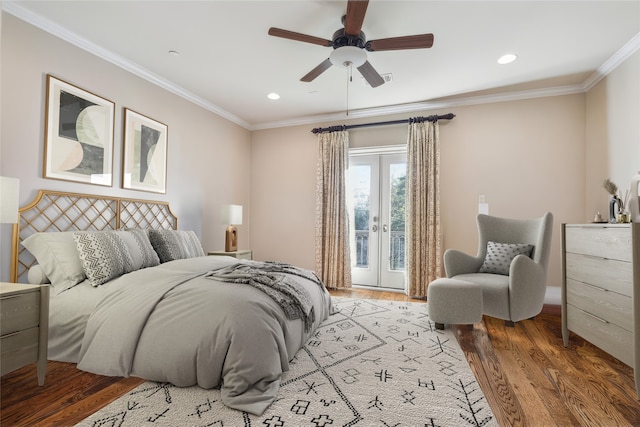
24,320
601,288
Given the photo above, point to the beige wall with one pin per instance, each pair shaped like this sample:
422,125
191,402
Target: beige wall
613,134
208,156
526,157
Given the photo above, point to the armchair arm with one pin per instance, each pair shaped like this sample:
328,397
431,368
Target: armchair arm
527,287
456,262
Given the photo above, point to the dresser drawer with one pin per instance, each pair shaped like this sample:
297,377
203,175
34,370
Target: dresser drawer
605,242
19,312
19,349
610,306
611,338
613,275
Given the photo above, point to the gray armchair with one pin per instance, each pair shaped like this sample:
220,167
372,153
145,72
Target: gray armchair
517,291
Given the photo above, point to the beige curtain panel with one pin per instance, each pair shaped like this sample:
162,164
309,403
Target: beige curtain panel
424,242
333,262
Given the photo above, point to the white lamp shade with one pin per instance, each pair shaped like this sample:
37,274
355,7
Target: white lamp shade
232,214
9,195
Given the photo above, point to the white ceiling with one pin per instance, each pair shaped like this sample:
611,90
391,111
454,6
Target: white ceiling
228,64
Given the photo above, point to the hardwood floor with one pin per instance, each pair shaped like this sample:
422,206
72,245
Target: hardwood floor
527,376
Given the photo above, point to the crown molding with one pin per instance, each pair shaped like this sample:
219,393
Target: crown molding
612,63
424,106
71,37
38,21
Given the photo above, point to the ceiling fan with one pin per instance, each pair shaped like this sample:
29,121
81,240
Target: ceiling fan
349,44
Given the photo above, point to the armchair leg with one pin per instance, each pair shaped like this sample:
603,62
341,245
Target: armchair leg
509,323
439,326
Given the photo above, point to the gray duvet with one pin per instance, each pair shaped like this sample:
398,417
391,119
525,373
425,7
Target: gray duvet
172,324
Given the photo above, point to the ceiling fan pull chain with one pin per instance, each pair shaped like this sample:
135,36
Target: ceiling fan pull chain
349,79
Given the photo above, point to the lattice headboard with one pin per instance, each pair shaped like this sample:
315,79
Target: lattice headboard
58,211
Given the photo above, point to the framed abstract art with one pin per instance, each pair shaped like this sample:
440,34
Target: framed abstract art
78,141
144,160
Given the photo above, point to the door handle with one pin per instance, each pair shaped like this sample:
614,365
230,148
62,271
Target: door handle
385,228
374,228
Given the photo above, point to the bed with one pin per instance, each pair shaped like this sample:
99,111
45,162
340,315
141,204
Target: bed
134,296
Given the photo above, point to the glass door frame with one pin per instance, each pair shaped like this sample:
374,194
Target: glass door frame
376,275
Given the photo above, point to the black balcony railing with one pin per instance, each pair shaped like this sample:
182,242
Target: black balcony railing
396,249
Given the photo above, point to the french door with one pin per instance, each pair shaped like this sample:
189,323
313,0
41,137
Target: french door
377,217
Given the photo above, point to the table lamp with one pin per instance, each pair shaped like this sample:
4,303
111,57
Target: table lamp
233,217
9,194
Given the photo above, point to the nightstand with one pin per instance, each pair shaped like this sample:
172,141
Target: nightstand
24,327
240,254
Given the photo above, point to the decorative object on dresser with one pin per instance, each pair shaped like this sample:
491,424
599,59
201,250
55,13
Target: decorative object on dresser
78,136
232,215
24,311
618,213
144,161
9,195
601,288
240,253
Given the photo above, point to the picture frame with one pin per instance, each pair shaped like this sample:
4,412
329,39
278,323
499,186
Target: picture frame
144,157
78,136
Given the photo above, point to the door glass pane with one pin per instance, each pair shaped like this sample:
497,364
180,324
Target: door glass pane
398,177
360,183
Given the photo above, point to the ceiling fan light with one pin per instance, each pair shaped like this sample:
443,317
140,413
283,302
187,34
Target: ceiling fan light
348,55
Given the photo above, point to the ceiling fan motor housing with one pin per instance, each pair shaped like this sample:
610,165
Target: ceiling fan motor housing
341,39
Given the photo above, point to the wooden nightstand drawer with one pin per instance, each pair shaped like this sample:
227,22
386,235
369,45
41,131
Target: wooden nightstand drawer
18,347
18,312
24,322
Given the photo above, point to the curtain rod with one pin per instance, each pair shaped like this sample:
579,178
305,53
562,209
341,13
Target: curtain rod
392,122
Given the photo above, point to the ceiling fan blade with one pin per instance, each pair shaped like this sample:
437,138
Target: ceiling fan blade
291,35
370,74
419,41
321,68
356,9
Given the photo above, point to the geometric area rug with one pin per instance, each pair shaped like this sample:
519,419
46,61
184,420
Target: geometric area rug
374,363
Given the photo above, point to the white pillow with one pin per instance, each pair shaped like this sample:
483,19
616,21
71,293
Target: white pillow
36,275
58,257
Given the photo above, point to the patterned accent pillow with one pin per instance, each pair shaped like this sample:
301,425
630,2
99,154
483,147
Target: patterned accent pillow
140,249
104,255
499,256
175,244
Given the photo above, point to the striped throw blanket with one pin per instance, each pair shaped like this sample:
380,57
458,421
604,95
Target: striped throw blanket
272,278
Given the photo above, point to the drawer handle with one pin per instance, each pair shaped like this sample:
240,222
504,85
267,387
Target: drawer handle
600,319
595,287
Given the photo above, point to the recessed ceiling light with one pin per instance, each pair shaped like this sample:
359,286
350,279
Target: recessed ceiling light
273,96
174,53
507,59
